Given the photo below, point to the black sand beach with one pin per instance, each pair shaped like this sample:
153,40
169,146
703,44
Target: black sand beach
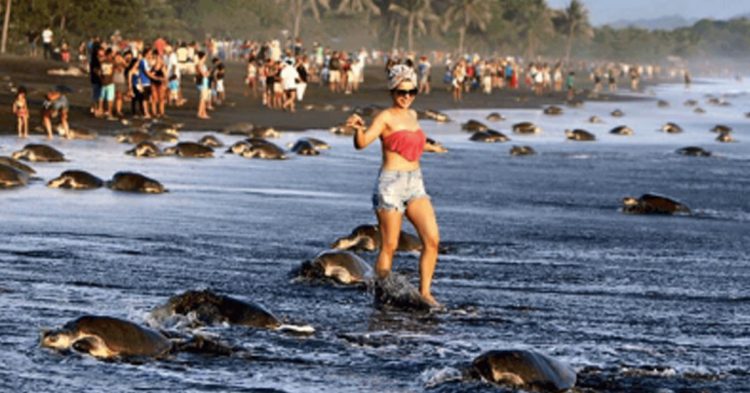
32,73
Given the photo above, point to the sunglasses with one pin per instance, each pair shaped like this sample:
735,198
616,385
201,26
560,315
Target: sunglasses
403,93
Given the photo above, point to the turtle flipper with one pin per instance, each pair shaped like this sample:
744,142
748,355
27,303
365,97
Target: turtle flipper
86,345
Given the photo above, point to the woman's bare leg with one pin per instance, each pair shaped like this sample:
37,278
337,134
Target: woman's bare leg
390,229
422,216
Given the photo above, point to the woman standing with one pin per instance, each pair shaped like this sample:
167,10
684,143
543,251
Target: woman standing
251,77
158,75
201,82
400,189
121,84
459,74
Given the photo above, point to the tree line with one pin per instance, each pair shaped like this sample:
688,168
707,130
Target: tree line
515,27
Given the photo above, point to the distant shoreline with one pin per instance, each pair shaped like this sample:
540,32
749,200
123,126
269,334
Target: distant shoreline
32,73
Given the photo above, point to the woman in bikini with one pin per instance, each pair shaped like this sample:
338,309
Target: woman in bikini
400,189
21,110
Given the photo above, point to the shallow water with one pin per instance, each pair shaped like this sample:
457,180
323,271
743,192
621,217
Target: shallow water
540,258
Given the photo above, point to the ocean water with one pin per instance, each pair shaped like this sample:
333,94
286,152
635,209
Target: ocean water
540,257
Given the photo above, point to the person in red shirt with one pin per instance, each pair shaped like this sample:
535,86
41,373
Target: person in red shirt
160,44
400,189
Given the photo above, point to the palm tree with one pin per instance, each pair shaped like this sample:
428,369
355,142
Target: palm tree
417,13
466,13
6,22
357,7
535,23
396,25
576,23
298,8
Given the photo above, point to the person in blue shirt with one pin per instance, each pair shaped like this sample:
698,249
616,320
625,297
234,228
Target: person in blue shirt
570,85
174,91
143,83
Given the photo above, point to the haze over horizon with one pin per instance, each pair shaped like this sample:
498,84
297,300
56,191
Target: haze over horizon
603,12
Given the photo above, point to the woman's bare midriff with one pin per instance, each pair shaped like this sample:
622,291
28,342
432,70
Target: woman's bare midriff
394,162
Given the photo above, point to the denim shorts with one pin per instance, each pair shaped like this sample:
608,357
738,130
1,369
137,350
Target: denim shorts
107,92
395,189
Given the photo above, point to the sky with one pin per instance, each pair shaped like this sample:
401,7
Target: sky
606,11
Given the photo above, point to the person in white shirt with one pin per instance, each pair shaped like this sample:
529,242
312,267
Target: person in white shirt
357,69
47,42
362,57
289,77
170,58
275,53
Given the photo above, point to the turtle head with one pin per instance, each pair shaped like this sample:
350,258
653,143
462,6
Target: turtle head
153,187
18,155
239,148
58,182
170,151
250,152
56,339
344,243
629,201
308,269
146,150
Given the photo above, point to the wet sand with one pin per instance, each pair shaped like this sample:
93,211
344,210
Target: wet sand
32,73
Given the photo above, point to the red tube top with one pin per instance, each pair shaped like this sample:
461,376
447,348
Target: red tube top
408,144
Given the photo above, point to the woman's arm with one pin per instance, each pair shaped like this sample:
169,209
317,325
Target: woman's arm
129,80
151,74
363,136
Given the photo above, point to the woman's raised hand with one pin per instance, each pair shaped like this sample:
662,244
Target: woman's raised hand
355,121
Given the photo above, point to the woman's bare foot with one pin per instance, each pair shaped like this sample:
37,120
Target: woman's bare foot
431,301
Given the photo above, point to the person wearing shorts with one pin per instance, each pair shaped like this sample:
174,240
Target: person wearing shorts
334,72
143,82
121,61
219,81
289,77
201,82
174,90
55,104
107,78
400,189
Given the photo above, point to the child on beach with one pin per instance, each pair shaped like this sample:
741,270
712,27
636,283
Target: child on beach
220,90
174,91
21,110
252,75
570,85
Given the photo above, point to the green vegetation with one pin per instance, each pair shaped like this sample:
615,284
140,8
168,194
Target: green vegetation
525,27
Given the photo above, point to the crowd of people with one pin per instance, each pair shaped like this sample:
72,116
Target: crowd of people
474,73
151,76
